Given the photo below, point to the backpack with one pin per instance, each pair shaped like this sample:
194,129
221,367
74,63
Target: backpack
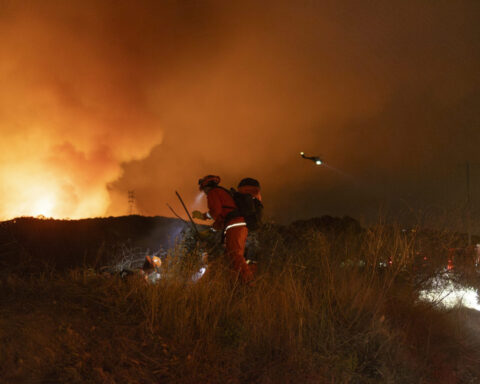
248,207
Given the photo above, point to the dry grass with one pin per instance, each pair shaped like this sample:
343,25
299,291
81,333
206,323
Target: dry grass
321,311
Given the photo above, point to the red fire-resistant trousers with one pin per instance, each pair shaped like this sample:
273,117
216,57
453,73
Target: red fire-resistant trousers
235,239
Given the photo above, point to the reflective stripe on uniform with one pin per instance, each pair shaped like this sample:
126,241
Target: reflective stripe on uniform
242,224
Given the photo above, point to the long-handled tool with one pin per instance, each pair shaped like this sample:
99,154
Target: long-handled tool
186,210
176,214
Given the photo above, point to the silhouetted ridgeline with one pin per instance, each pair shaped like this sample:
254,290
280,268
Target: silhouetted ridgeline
328,224
90,242
31,243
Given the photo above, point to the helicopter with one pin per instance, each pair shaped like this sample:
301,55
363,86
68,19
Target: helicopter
316,159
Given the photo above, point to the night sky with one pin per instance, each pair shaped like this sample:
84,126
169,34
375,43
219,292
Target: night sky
101,97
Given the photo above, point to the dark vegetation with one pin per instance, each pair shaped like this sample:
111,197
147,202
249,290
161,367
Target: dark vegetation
66,244
332,303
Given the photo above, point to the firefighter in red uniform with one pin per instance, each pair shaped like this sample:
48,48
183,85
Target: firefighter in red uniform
222,209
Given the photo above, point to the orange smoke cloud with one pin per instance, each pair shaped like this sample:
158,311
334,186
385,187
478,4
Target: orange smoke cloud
90,89
68,120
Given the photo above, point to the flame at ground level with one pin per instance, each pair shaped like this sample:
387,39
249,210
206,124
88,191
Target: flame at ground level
39,191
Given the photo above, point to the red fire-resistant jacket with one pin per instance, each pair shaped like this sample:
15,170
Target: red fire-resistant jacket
220,203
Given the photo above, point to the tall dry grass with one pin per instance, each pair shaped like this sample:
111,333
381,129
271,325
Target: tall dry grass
324,308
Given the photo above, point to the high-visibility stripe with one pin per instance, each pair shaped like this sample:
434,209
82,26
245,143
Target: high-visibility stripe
242,224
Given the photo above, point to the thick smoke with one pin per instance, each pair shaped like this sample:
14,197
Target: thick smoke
149,96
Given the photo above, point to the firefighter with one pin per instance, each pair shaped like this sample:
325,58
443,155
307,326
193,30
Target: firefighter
252,187
222,210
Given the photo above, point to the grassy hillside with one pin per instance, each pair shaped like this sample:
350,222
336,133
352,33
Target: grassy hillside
63,244
323,309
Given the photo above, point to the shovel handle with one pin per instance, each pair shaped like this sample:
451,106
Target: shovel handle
186,210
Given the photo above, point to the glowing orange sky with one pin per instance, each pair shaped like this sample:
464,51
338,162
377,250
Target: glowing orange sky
101,97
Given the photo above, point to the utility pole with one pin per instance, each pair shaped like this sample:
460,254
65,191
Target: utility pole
469,213
131,201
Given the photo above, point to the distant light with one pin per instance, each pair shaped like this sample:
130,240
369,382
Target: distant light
302,153
445,292
318,162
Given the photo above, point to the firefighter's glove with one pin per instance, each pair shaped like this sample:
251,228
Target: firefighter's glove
204,235
198,215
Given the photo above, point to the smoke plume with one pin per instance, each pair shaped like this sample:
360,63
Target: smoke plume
101,97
